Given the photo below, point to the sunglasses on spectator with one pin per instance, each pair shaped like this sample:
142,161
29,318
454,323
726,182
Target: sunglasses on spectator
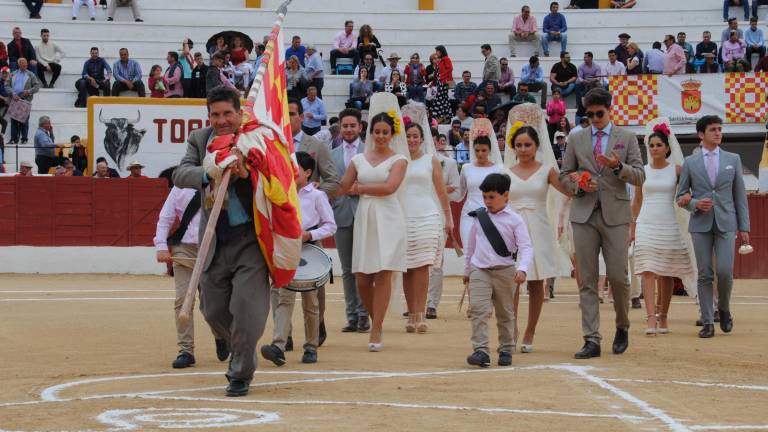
598,114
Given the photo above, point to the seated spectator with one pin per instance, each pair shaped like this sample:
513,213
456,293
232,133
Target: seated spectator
25,169
367,43
488,92
533,77
95,76
103,170
5,77
462,115
21,47
524,29
22,85
172,76
155,82
344,46
414,78
756,4
455,135
583,124
361,90
674,59
555,111
507,79
734,54
215,76
558,147
491,68
127,74
59,171
332,133
564,125
368,63
134,4
70,170
733,24
583,4
729,3
314,112
462,151
564,75
220,46
238,55
397,87
655,60
3,55
687,49
522,95
555,29
762,65
77,4
34,7
135,168
706,46
386,71
45,147
479,111
635,61
622,49
295,79
623,4
78,155
465,88
709,66
315,70
197,87
755,41
296,49
613,68
49,57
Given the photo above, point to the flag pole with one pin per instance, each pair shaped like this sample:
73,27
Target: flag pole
268,52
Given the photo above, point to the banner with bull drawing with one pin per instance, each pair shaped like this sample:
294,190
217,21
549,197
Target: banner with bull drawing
151,131
735,97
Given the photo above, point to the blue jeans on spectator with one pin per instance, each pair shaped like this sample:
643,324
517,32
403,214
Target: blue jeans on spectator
563,38
417,93
565,91
727,4
19,131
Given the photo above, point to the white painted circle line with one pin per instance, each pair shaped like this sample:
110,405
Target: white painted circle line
183,418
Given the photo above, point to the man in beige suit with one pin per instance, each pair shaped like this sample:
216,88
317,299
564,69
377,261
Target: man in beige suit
600,214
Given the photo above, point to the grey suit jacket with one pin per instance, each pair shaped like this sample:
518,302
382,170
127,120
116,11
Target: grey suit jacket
326,170
344,207
614,199
729,198
450,176
491,69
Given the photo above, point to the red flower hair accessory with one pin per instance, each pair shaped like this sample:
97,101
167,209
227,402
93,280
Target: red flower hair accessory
662,128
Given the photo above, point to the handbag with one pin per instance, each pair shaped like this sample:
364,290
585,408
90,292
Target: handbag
431,92
19,110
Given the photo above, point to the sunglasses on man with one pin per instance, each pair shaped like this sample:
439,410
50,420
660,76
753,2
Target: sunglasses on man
599,114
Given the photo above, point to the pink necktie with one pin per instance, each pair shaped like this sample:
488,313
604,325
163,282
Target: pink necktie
598,150
711,168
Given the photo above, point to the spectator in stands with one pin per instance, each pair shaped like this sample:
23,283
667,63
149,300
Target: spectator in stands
491,67
135,168
762,65
522,95
328,136
367,43
734,54
296,49
21,47
507,78
414,78
197,87
728,3
588,71
564,125
344,46
134,4
583,124
564,75
674,59
22,85
431,70
558,147
755,40
533,76
492,100
314,112
103,170
441,107
555,111
706,46
622,49
583,4
215,76
524,29
623,4
60,171
172,76
687,49
733,24
369,64
77,4
25,169
127,73
78,155
5,77
656,59
455,135
384,75
614,66
465,88
95,76
315,70
187,62
295,79
155,82
221,46
238,55
635,59
462,115
49,57
461,148
258,50
3,55
34,7
555,29
45,148
397,87
709,66
70,169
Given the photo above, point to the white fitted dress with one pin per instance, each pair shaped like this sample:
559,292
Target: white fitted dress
422,212
471,178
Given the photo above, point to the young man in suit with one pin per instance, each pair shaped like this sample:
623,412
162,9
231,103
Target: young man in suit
711,187
600,214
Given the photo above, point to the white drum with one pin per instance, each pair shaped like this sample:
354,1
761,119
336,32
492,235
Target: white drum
314,269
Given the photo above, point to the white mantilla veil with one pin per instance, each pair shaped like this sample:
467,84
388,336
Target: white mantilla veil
683,217
484,127
387,103
417,112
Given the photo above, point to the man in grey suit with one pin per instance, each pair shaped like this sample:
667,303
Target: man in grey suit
600,215
712,188
234,295
344,208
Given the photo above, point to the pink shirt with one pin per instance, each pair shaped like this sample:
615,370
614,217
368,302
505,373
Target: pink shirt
316,212
734,50
555,110
350,150
344,40
518,25
511,226
173,81
674,60
173,209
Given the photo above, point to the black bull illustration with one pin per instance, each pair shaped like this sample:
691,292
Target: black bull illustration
122,139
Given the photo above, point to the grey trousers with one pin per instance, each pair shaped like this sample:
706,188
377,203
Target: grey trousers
722,243
355,308
134,8
235,300
435,287
590,237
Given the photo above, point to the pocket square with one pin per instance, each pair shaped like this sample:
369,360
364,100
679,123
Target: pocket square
729,167
619,146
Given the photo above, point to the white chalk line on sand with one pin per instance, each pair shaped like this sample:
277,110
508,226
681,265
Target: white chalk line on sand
730,427
697,384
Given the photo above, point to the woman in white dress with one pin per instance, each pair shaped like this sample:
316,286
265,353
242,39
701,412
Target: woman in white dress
661,249
531,180
427,213
379,245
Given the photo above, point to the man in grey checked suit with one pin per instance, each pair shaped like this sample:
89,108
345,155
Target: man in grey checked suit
711,187
344,208
600,215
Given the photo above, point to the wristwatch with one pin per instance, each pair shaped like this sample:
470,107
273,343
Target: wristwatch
617,168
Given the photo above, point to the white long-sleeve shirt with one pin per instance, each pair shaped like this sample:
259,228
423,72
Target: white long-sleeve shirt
511,226
173,209
316,213
49,53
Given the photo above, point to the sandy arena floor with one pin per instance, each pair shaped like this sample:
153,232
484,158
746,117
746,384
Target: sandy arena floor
93,353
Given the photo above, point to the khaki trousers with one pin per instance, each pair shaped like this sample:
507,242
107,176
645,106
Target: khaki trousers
492,289
182,273
282,311
532,37
590,237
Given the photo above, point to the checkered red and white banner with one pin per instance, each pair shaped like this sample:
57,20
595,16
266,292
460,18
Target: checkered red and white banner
737,97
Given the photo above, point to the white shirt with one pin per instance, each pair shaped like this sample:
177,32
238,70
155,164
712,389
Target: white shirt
316,213
612,69
173,209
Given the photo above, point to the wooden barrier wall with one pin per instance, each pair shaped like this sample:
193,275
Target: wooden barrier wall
84,211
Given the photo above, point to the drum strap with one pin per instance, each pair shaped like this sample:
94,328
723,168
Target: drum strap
190,212
491,232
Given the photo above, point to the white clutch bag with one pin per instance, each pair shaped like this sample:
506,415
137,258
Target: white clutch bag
746,249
